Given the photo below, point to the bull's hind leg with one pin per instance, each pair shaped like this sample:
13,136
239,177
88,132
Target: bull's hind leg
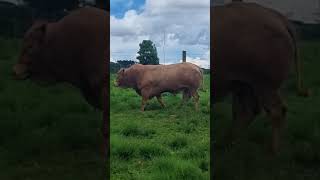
185,97
196,98
159,98
276,111
245,107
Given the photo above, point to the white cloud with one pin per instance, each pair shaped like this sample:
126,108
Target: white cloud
112,59
185,24
200,61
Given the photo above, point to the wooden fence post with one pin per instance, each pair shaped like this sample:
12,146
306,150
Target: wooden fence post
184,56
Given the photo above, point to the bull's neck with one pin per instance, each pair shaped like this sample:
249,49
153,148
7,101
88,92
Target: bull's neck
132,78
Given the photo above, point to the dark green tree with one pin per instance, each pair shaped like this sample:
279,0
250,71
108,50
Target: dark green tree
51,8
148,53
103,4
114,67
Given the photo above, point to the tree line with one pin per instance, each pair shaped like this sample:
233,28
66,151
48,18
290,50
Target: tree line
16,19
307,32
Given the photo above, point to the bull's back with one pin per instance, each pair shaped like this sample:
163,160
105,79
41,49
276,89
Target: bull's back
173,77
79,40
85,28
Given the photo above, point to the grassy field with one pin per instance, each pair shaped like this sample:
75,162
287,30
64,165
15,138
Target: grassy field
52,133
169,143
45,132
300,154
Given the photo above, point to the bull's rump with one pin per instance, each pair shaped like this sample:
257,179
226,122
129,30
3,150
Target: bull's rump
255,47
171,78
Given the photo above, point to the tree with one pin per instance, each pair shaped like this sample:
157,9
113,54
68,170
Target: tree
148,53
114,67
53,4
103,4
51,8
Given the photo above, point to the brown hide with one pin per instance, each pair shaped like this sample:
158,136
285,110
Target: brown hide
72,50
151,80
252,48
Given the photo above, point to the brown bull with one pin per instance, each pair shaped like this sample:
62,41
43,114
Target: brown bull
252,49
151,80
72,50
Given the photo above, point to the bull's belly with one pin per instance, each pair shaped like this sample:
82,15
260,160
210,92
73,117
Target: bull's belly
172,91
158,92
221,88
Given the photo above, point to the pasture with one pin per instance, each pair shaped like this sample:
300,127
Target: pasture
164,144
300,153
51,133
45,132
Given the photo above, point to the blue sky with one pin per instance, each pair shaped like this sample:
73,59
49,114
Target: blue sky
119,7
173,25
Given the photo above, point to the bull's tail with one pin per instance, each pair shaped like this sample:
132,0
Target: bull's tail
297,63
202,81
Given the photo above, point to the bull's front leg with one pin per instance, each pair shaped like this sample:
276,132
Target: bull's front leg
143,103
145,93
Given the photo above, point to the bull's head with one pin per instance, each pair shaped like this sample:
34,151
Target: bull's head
121,76
31,49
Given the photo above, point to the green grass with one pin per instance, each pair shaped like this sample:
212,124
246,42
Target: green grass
160,143
300,153
52,133
45,132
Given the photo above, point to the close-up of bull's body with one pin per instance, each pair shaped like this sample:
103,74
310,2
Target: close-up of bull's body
253,48
72,50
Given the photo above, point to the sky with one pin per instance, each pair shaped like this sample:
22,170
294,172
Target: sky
176,25
173,25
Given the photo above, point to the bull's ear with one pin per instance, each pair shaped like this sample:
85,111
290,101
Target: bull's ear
121,71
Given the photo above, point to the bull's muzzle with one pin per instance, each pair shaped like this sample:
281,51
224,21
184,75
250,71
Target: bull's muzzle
20,71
